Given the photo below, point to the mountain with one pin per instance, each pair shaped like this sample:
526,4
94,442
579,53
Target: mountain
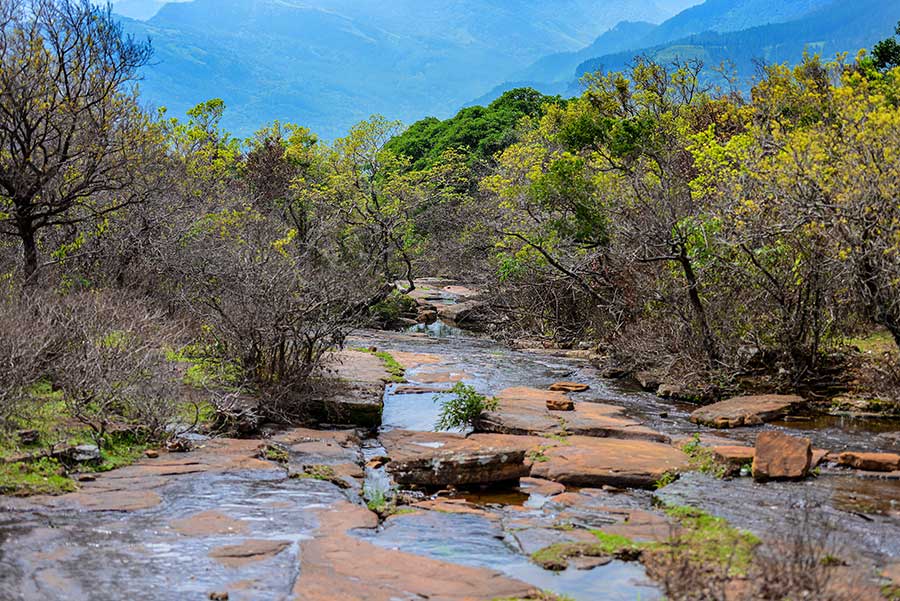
139,9
836,27
716,30
329,63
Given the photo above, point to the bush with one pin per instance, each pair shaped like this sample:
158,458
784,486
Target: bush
464,409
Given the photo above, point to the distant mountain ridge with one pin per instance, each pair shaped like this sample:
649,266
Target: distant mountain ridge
739,31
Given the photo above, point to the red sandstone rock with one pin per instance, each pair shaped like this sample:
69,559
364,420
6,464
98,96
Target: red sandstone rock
873,462
780,456
745,410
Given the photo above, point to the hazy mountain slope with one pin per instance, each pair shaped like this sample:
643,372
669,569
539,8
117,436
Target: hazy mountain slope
712,15
329,63
838,27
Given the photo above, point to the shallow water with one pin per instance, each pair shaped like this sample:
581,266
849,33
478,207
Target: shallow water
477,541
100,556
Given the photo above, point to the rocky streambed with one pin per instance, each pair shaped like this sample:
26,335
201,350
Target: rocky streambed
385,508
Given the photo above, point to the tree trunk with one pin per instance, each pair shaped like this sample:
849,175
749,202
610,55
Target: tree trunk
29,249
892,323
706,336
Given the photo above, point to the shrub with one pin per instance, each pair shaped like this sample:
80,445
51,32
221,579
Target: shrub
463,409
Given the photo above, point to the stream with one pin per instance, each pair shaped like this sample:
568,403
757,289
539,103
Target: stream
50,551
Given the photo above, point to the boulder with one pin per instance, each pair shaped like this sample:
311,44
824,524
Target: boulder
647,380
438,459
745,410
568,387
586,461
872,462
524,411
780,456
460,313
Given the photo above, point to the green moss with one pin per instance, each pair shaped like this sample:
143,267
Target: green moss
393,367
667,478
392,308
539,455
556,557
120,449
875,343
277,454
42,477
712,540
702,459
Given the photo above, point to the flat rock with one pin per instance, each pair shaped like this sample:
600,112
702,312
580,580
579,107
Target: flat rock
464,313
780,456
569,387
745,410
336,566
587,461
872,462
539,486
442,376
440,458
209,523
524,411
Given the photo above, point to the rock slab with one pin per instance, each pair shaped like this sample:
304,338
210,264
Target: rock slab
873,462
587,461
745,410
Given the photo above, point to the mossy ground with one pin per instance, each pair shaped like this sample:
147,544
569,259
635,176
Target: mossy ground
708,540
43,412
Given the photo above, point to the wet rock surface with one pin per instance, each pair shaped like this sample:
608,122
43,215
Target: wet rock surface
745,410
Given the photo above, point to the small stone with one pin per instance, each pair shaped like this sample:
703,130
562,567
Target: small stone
560,405
218,596
86,477
86,453
377,462
779,456
569,387
151,454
